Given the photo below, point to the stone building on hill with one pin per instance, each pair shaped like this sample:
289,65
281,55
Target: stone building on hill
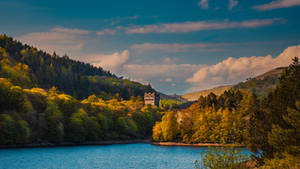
152,99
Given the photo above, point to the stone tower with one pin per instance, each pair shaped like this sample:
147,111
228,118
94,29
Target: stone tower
152,99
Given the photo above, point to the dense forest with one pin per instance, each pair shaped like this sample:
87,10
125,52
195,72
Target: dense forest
39,100
37,116
29,67
268,126
170,104
212,119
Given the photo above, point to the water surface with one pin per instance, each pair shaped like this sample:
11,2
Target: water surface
122,156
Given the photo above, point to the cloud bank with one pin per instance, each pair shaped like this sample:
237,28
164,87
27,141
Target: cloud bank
277,4
113,62
175,47
167,70
184,27
59,39
163,70
198,76
107,32
234,70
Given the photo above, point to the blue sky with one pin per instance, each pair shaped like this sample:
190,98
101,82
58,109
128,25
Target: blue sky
177,46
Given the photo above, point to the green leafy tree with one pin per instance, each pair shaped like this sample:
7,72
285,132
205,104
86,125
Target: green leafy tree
103,122
17,99
157,132
7,128
93,129
127,126
4,94
54,123
285,161
286,140
224,157
78,130
169,126
22,132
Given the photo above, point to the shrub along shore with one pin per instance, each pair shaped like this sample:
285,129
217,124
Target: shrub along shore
197,144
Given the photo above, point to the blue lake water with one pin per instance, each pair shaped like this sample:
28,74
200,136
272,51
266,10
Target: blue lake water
123,156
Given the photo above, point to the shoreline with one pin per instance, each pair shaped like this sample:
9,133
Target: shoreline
113,142
172,144
69,144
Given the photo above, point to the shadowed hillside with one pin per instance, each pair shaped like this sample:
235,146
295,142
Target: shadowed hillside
73,77
263,84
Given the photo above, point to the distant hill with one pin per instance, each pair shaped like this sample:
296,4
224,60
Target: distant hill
261,85
173,101
28,67
217,91
272,73
172,97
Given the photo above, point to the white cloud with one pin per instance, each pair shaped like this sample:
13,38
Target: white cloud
234,70
199,47
175,47
113,62
118,20
167,71
166,80
70,30
232,4
59,39
159,71
203,4
107,31
170,60
277,4
184,27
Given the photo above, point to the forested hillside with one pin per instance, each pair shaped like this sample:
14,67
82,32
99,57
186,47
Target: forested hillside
263,84
212,119
28,67
275,124
268,126
39,100
260,85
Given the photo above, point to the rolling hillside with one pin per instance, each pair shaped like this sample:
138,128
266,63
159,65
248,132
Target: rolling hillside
261,85
172,97
51,100
29,67
272,73
217,91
